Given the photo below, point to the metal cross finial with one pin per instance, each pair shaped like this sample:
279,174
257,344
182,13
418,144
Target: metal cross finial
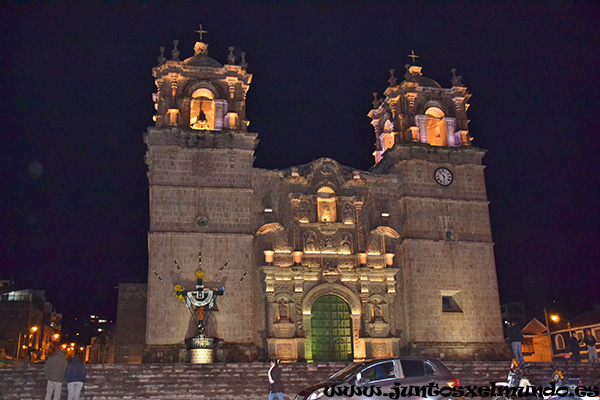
200,31
413,56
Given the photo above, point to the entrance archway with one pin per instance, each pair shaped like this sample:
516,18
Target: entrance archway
331,328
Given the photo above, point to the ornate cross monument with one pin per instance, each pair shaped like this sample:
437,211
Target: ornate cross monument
200,303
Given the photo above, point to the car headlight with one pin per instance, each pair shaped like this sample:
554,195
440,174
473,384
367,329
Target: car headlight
317,394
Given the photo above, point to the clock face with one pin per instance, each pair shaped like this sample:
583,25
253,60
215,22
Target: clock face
443,176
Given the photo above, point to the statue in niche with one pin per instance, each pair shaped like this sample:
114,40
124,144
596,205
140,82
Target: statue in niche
348,213
326,205
283,311
376,312
310,245
346,245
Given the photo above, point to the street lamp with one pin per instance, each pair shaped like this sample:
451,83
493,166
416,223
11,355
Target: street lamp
32,329
556,318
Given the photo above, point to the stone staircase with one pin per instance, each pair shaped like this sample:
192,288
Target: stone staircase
240,381
224,381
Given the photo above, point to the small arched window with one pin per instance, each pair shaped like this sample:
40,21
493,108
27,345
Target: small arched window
202,110
559,341
326,205
437,133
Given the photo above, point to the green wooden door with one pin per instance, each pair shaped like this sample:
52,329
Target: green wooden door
331,329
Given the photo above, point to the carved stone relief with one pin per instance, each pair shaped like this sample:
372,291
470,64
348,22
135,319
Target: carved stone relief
329,267
374,245
328,246
303,212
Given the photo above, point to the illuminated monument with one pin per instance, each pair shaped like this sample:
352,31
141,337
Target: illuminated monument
320,261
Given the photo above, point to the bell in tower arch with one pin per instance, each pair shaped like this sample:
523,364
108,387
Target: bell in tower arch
202,110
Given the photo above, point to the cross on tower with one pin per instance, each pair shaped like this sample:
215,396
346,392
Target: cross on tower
200,31
413,56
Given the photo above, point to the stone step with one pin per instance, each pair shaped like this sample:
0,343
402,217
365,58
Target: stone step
243,381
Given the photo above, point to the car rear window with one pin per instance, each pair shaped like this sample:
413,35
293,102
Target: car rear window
412,368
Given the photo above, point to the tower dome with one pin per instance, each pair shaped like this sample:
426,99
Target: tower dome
201,58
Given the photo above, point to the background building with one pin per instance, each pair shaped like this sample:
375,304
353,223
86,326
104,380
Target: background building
319,261
29,326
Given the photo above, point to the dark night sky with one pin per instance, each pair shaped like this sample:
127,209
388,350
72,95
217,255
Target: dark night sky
76,100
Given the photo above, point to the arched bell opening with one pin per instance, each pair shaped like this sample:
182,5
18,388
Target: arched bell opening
202,110
437,132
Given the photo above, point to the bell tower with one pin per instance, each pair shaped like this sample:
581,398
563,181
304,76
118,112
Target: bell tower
199,93
200,160
419,110
448,288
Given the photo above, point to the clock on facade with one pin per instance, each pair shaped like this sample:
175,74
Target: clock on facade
443,176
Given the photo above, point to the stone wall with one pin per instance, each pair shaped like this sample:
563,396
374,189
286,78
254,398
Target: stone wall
130,332
239,381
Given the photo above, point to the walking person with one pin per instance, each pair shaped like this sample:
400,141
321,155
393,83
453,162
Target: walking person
55,368
590,342
275,386
515,337
75,377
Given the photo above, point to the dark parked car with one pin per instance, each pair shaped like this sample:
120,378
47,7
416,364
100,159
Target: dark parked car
390,375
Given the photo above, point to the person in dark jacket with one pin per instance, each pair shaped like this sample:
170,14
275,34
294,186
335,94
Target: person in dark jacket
75,377
54,369
515,337
590,342
275,386
575,350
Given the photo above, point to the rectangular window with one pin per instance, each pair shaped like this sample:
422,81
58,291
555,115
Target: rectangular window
450,305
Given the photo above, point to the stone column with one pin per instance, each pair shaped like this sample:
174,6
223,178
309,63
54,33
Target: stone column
451,132
357,342
421,121
220,112
360,245
306,321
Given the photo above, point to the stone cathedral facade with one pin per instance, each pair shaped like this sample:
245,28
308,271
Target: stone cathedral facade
320,261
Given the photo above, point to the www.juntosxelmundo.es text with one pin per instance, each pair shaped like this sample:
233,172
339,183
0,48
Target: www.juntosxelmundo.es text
397,391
